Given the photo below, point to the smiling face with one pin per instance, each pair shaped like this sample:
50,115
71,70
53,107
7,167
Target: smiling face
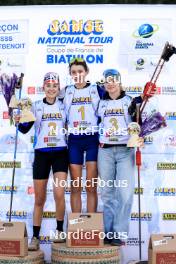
78,74
51,90
112,85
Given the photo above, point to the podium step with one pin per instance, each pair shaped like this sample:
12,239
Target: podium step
35,257
110,260
60,253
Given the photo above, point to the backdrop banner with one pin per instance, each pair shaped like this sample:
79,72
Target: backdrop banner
39,39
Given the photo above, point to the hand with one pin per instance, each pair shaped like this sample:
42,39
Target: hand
149,89
141,142
16,119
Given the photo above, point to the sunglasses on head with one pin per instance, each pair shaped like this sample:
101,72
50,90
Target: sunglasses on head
51,77
76,60
110,72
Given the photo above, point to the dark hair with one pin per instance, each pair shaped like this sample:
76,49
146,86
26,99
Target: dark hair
78,61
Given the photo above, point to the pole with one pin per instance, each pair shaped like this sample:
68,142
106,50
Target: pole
19,86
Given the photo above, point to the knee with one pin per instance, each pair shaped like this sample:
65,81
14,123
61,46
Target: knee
76,189
126,199
59,196
91,189
40,200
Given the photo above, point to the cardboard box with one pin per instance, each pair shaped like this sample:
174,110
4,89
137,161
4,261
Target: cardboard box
162,249
84,230
13,239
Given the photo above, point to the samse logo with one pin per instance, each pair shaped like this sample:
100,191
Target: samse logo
74,27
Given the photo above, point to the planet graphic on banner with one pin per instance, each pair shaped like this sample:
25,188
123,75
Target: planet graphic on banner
145,31
140,62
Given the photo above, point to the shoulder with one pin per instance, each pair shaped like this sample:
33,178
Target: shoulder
127,98
138,99
67,92
101,91
69,88
59,102
97,88
37,103
103,103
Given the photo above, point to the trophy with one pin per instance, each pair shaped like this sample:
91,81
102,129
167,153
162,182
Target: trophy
134,131
25,106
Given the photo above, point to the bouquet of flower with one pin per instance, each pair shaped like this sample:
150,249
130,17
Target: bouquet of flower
8,85
152,123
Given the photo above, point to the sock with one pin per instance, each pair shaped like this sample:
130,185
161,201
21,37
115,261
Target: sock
60,225
36,231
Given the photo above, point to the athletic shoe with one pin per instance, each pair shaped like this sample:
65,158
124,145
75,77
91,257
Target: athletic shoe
34,245
59,237
107,241
117,242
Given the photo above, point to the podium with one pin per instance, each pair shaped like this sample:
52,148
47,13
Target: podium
61,254
35,257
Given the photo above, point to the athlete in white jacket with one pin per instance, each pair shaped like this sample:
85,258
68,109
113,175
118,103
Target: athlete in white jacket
50,152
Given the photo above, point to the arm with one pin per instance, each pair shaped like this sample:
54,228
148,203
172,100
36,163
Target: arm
132,107
101,91
25,127
149,91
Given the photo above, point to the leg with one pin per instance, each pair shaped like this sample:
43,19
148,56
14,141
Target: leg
76,154
91,173
41,169
91,147
40,187
107,170
60,169
125,182
59,195
76,174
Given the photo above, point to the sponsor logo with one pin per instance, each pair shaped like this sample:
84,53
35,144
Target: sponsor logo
8,189
169,216
170,140
63,37
5,115
144,216
171,115
139,64
30,190
146,31
17,214
10,164
49,214
136,191
44,239
35,90
168,90
143,33
148,139
165,191
166,166
134,89
134,241
31,90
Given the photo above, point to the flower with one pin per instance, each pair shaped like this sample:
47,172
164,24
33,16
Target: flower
152,123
